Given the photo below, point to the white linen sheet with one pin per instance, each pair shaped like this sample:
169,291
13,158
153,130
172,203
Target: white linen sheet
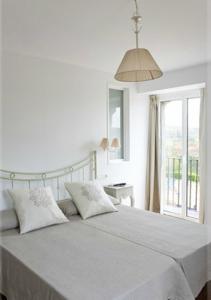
188,243
76,261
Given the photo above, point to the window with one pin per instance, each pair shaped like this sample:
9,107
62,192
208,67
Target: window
118,123
180,154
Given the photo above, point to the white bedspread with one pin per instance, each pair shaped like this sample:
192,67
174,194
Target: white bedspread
186,242
76,261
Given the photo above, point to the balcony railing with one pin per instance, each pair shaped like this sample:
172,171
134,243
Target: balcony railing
174,183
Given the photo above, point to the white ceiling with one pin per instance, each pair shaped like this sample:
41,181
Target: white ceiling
96,33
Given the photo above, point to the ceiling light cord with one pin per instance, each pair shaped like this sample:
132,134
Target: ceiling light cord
137,20
136,5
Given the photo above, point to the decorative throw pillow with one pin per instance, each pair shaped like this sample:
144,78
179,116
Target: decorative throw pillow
8,219
90,198
68,207
36,208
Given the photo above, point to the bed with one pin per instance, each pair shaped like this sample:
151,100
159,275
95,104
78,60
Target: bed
187,243
76,261
129,254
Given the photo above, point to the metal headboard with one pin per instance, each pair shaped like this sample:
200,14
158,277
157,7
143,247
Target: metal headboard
89,164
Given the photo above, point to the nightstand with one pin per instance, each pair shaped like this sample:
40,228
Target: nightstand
121,192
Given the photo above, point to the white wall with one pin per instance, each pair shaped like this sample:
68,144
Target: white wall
209,112
174,79
0,85
55,113
208,202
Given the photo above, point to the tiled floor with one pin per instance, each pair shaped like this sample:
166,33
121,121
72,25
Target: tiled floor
177,211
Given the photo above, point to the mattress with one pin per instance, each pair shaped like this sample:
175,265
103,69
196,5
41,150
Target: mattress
75,260
188,243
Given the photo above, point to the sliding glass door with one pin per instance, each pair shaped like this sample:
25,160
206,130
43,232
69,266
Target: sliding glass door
180,180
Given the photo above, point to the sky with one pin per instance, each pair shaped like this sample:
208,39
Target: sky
173,113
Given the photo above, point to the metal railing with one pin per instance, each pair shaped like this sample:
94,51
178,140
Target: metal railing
174,183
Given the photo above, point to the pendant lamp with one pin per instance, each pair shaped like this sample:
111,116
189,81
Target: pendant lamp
138,64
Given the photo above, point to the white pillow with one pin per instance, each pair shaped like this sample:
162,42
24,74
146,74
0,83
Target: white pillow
36,208
90,198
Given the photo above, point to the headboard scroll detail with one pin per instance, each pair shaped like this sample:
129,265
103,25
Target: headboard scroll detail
86,168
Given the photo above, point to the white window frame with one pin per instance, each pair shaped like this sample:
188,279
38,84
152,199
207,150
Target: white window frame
126,123
183,96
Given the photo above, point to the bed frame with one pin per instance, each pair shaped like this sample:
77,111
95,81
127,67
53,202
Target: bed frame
85,169
87,166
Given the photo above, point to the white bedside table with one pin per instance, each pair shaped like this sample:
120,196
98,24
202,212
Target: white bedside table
121,192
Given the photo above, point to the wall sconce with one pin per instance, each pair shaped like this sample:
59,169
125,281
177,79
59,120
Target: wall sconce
115,144
104,144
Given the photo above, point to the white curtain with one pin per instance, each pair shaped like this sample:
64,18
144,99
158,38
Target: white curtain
153,171
202,157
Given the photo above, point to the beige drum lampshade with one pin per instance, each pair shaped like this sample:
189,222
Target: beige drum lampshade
138,65
104,144
115,143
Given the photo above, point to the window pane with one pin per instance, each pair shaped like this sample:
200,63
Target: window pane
193,193
172,149
116,121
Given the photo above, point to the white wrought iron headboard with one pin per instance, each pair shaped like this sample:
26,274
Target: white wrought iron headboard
80,171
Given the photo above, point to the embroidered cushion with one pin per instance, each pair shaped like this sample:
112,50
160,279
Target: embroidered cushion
36,208
90,198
